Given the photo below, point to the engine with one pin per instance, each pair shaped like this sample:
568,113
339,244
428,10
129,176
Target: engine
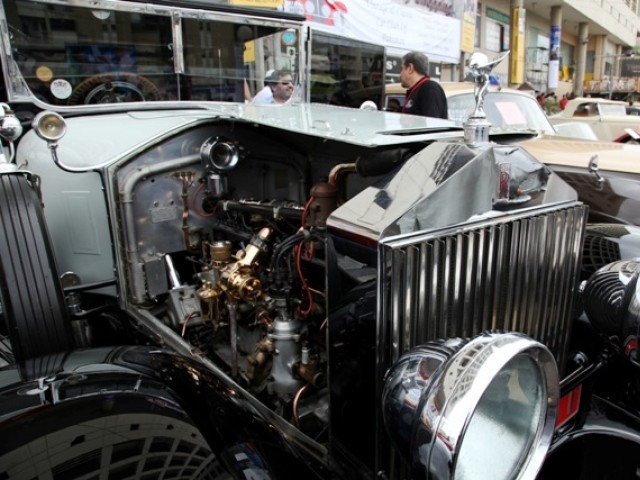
252,307
246,254
284,263
227,248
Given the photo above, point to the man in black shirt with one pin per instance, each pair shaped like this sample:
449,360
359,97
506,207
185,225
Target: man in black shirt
424,96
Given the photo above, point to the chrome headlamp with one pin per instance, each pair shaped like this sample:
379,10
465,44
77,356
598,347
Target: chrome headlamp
10,127
49,126
478,409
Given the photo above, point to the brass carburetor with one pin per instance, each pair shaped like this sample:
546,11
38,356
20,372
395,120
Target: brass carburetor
231,278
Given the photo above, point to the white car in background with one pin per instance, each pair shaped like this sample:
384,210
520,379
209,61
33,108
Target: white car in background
607,118
607,182
506,108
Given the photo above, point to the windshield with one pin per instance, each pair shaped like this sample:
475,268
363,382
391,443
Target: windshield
505,111
606,109
345,72
576,130
72,55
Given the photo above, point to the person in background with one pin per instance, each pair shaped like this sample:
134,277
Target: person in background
563,102
278,89
265,96
424,96
393,105
550,104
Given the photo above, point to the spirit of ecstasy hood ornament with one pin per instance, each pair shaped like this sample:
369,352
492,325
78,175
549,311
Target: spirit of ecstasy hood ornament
476,127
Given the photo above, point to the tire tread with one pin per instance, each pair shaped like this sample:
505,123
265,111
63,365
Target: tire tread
32,296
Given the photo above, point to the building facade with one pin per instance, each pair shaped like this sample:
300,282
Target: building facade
566,46
576,46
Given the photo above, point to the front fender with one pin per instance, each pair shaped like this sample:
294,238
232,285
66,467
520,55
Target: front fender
605,243
606,446
144,410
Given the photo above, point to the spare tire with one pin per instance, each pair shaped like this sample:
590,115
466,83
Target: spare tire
114,87
32,297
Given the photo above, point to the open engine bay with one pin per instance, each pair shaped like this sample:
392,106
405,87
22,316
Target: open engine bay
223,236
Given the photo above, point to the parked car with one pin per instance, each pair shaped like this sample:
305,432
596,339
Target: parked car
215,290
633,110
575,130
508,109
608,118
606,175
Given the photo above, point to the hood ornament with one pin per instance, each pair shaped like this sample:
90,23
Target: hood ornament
476,127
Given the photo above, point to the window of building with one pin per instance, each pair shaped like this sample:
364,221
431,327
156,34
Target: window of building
496,36
478,25
497,30
590,62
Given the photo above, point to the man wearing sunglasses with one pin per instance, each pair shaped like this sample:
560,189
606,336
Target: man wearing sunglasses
278,90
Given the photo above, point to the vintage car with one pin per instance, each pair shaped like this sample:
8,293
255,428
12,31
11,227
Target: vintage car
608,118
223,290
506,108
606,175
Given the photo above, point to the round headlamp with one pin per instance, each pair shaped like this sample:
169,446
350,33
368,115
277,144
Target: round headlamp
473,409
49,126
10,127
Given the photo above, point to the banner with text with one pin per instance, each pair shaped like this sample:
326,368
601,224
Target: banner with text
386,23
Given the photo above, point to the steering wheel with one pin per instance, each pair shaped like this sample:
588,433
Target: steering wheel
114,87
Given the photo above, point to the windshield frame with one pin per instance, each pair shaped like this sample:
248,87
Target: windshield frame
17,87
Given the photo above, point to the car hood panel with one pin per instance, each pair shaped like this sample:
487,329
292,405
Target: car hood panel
112,136
615,157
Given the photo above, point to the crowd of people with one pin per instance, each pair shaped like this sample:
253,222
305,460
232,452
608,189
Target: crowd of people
550,103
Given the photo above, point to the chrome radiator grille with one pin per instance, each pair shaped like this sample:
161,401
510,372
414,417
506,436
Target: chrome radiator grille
517,273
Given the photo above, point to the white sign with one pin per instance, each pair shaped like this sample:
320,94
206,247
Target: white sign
384,22
60,88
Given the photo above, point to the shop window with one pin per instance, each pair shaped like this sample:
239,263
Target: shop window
478,33
497,36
